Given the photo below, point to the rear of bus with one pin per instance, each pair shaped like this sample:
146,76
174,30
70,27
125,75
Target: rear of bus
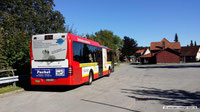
49,61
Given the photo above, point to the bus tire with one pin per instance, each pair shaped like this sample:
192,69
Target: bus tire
109,72
90,78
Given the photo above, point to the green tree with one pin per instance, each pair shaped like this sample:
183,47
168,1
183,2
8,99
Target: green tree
107,38
191,43
195,43
33,16
70,29
176,38
3,62
129,47
19,20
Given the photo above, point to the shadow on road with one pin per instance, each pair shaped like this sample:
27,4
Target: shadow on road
168,66
24,82
109,105
51,88
166,97
134,63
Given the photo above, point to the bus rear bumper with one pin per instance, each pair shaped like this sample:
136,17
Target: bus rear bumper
58,81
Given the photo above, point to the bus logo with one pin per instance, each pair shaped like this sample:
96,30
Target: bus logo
43,71
60,72
60,41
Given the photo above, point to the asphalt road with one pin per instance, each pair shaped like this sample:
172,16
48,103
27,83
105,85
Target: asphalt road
131,88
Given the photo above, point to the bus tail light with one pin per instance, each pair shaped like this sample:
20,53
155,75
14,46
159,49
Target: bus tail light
70,70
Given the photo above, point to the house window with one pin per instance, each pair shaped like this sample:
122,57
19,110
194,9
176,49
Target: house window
163,44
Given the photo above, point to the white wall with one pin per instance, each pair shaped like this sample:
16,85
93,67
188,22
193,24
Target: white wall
198,55
147,51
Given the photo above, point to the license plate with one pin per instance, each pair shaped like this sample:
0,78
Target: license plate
49,80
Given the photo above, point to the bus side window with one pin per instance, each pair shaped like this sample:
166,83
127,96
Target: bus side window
90,58
78,52
84,53
89,53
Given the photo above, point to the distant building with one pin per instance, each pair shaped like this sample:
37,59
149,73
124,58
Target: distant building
168,55
149,58
163,52
190,53
157,46
140,53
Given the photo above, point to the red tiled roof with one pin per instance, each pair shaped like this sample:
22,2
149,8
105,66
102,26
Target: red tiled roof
140,51
159,45
189,50
148,55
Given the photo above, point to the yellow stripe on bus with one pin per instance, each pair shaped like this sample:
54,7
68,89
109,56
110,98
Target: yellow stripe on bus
88,74
105,70
109,62
87,64
96,72
85,75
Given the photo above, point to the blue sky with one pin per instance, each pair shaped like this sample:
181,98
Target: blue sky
144,20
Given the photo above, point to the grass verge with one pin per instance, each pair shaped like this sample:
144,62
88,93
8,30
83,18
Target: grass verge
8,89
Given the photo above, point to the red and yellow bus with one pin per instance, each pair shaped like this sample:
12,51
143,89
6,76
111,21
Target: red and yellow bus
66,59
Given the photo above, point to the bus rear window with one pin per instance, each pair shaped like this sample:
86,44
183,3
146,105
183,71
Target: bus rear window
49,48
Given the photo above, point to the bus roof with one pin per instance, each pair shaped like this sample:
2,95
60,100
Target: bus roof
105,47
50,34
83,40
77,38
86,41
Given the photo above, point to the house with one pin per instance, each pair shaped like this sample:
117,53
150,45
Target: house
149,58
157,46
168,55
190,53
163,52
141,52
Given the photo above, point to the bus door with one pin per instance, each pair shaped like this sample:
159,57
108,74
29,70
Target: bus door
104,57
100,62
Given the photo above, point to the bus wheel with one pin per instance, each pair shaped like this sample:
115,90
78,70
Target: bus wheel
90,79
109,72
